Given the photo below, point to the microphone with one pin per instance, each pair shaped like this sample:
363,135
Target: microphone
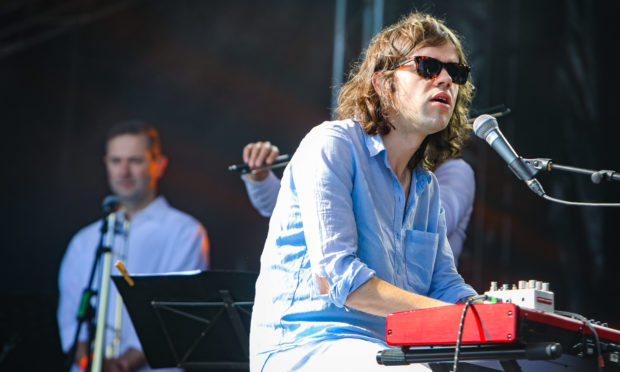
485,127
280,161
110,204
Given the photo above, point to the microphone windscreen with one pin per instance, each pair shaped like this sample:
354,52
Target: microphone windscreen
110,204
483,125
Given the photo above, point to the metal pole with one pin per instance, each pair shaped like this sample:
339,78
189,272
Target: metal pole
372,20
338,60
104,290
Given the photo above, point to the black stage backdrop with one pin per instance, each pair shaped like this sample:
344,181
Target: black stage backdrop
213,76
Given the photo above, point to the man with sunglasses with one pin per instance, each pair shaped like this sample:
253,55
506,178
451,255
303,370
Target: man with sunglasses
358,231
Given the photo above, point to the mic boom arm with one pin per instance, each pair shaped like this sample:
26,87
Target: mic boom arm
486,128
544,164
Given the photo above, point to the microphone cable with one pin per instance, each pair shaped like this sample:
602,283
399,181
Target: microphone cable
600,362
457,348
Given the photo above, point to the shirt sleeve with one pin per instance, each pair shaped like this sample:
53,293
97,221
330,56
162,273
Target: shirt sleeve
189,249
263,194
457,189
323,173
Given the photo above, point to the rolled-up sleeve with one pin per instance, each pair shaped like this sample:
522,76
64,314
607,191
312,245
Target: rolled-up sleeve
323,174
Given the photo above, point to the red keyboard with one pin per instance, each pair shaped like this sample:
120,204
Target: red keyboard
500,331
486,323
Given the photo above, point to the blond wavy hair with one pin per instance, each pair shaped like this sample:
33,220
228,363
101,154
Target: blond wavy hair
357,98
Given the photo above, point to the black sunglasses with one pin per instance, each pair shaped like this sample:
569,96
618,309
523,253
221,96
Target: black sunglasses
429,67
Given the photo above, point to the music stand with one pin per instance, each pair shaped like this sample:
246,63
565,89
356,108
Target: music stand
192,320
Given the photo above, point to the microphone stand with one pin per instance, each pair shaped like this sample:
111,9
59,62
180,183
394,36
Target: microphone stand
114,348
104,291
85,311
541,164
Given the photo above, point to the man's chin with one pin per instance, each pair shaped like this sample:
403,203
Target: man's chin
436,127
125,196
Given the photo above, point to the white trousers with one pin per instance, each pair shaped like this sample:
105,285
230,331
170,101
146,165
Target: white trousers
341,355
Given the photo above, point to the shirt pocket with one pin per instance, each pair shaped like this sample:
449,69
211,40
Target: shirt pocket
420,254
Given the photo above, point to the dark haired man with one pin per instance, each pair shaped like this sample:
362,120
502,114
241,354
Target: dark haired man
160,239
358,231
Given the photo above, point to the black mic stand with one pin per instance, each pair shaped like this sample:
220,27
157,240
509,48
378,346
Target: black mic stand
86,311
541,164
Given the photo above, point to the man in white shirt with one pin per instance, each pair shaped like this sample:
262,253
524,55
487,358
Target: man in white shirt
160,239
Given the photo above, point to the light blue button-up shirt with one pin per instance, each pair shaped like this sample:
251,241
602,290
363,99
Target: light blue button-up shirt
341,214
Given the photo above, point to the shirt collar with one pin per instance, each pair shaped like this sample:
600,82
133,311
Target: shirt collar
375,146
151,211
422,179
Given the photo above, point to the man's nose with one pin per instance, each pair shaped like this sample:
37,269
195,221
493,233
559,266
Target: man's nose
125,169
443,77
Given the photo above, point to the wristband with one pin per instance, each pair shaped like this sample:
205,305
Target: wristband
83,363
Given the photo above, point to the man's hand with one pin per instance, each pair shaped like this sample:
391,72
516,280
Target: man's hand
115,365
474,299
130,361
258,155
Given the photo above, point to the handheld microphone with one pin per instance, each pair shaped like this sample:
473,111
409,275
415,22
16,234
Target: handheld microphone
280,161
485,127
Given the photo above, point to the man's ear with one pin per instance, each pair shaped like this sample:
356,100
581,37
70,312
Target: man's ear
161,163
377,83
